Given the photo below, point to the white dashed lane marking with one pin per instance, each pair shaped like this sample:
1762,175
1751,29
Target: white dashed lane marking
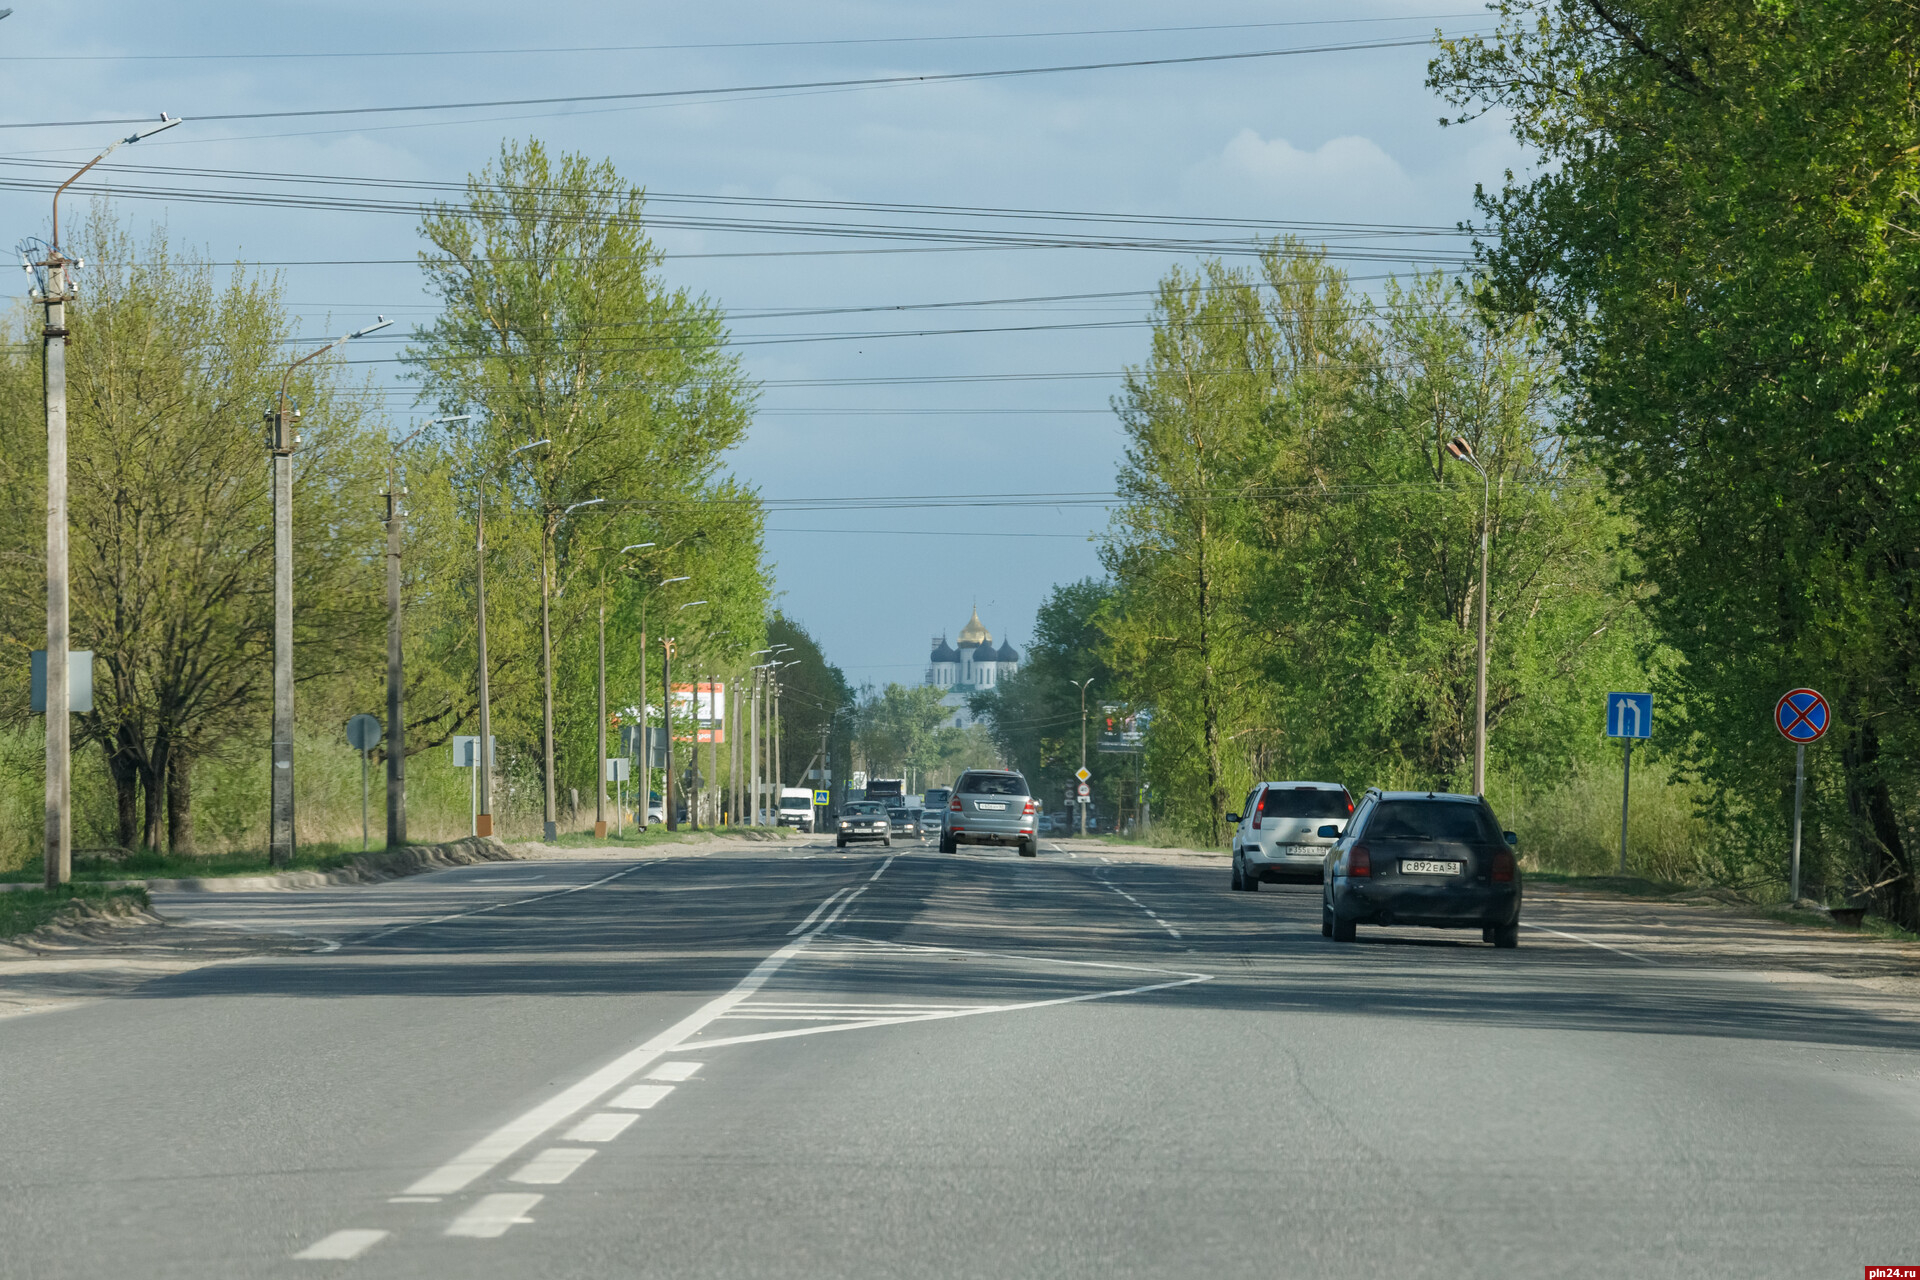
342,1246
1151,914
490,1218
552,1166
675,1071
641,1096
601,1126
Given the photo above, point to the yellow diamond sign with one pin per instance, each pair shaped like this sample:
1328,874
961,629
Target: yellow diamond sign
1082,773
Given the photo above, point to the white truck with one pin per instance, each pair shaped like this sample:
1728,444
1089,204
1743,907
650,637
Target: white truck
796,808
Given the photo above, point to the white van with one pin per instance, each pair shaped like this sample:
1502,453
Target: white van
796,808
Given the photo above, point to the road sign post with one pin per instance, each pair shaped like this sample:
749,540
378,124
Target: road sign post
363,734
1801,716
1629,717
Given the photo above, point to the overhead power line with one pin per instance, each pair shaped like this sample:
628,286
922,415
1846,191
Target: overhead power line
723,44
655,95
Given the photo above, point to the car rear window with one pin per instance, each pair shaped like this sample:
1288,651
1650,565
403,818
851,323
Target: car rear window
1304,802
994,784
1433,820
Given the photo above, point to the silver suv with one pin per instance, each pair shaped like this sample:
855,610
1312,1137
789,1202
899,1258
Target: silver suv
991,806
1278,837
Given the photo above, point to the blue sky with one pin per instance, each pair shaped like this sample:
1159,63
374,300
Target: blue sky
1330,137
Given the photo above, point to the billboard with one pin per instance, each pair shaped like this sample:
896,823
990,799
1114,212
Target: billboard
704,703
1122,729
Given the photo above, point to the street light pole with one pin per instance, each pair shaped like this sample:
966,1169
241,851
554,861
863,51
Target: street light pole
1460,449
396,687
55,293
281,442
1082,686
483,820
550,525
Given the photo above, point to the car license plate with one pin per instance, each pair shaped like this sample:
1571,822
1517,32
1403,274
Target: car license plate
980,805
1424,867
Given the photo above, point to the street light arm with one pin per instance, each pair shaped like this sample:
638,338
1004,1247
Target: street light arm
380,322
166,122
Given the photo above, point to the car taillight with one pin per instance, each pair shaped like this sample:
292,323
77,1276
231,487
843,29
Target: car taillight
1359,861
955,806
1503,867
1030,808
1256,824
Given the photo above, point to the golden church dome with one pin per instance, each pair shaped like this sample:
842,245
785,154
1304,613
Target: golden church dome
974,633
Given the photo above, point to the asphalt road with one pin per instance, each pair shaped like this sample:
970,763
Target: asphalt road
789,1061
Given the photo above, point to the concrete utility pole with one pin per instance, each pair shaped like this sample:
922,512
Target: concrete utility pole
56,291
693,744
666,710
396,685
1460,449
1079,799
600,730
753,746
282,440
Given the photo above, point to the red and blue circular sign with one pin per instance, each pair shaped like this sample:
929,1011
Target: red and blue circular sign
1802,716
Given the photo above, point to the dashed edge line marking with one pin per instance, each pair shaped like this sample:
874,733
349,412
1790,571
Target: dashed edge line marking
342,1246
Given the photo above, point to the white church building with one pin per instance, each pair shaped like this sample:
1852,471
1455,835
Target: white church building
972,666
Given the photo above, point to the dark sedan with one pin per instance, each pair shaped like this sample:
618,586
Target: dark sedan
1422,858
863,820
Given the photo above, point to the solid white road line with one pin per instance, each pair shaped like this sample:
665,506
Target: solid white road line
601,1126
489,1219
1589,941
503,1143
552,1166
342,1246
883,867
947,1015
805,924
675,1071
642,1097
501,906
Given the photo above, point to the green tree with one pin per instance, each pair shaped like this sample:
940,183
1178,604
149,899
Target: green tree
557,326
1720,230
171,518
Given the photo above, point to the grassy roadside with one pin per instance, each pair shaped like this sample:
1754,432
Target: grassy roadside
656,834
154,865
25,911
1641,888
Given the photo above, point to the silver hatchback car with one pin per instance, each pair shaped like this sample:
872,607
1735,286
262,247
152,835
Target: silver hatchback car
1278,837
991,806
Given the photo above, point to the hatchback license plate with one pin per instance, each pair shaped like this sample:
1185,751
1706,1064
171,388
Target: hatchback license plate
980,805
1423,867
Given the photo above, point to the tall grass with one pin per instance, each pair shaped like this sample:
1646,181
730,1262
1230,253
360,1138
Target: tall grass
1575,827
230,797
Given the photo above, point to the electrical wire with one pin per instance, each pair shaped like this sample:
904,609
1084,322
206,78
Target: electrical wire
727,44
655,95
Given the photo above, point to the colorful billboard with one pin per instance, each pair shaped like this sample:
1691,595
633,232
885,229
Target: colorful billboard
705,703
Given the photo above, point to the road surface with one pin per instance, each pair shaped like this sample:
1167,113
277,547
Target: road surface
793,1061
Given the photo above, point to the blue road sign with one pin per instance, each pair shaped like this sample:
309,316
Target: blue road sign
1629,715
1802,716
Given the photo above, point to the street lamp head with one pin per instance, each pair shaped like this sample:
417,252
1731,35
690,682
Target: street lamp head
532,444
379,322
635,546
590,502
166,122
689,604
682,578
1460,449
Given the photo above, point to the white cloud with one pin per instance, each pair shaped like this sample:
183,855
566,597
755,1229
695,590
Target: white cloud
1347,179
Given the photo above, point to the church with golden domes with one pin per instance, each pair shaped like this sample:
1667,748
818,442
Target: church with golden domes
971,666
